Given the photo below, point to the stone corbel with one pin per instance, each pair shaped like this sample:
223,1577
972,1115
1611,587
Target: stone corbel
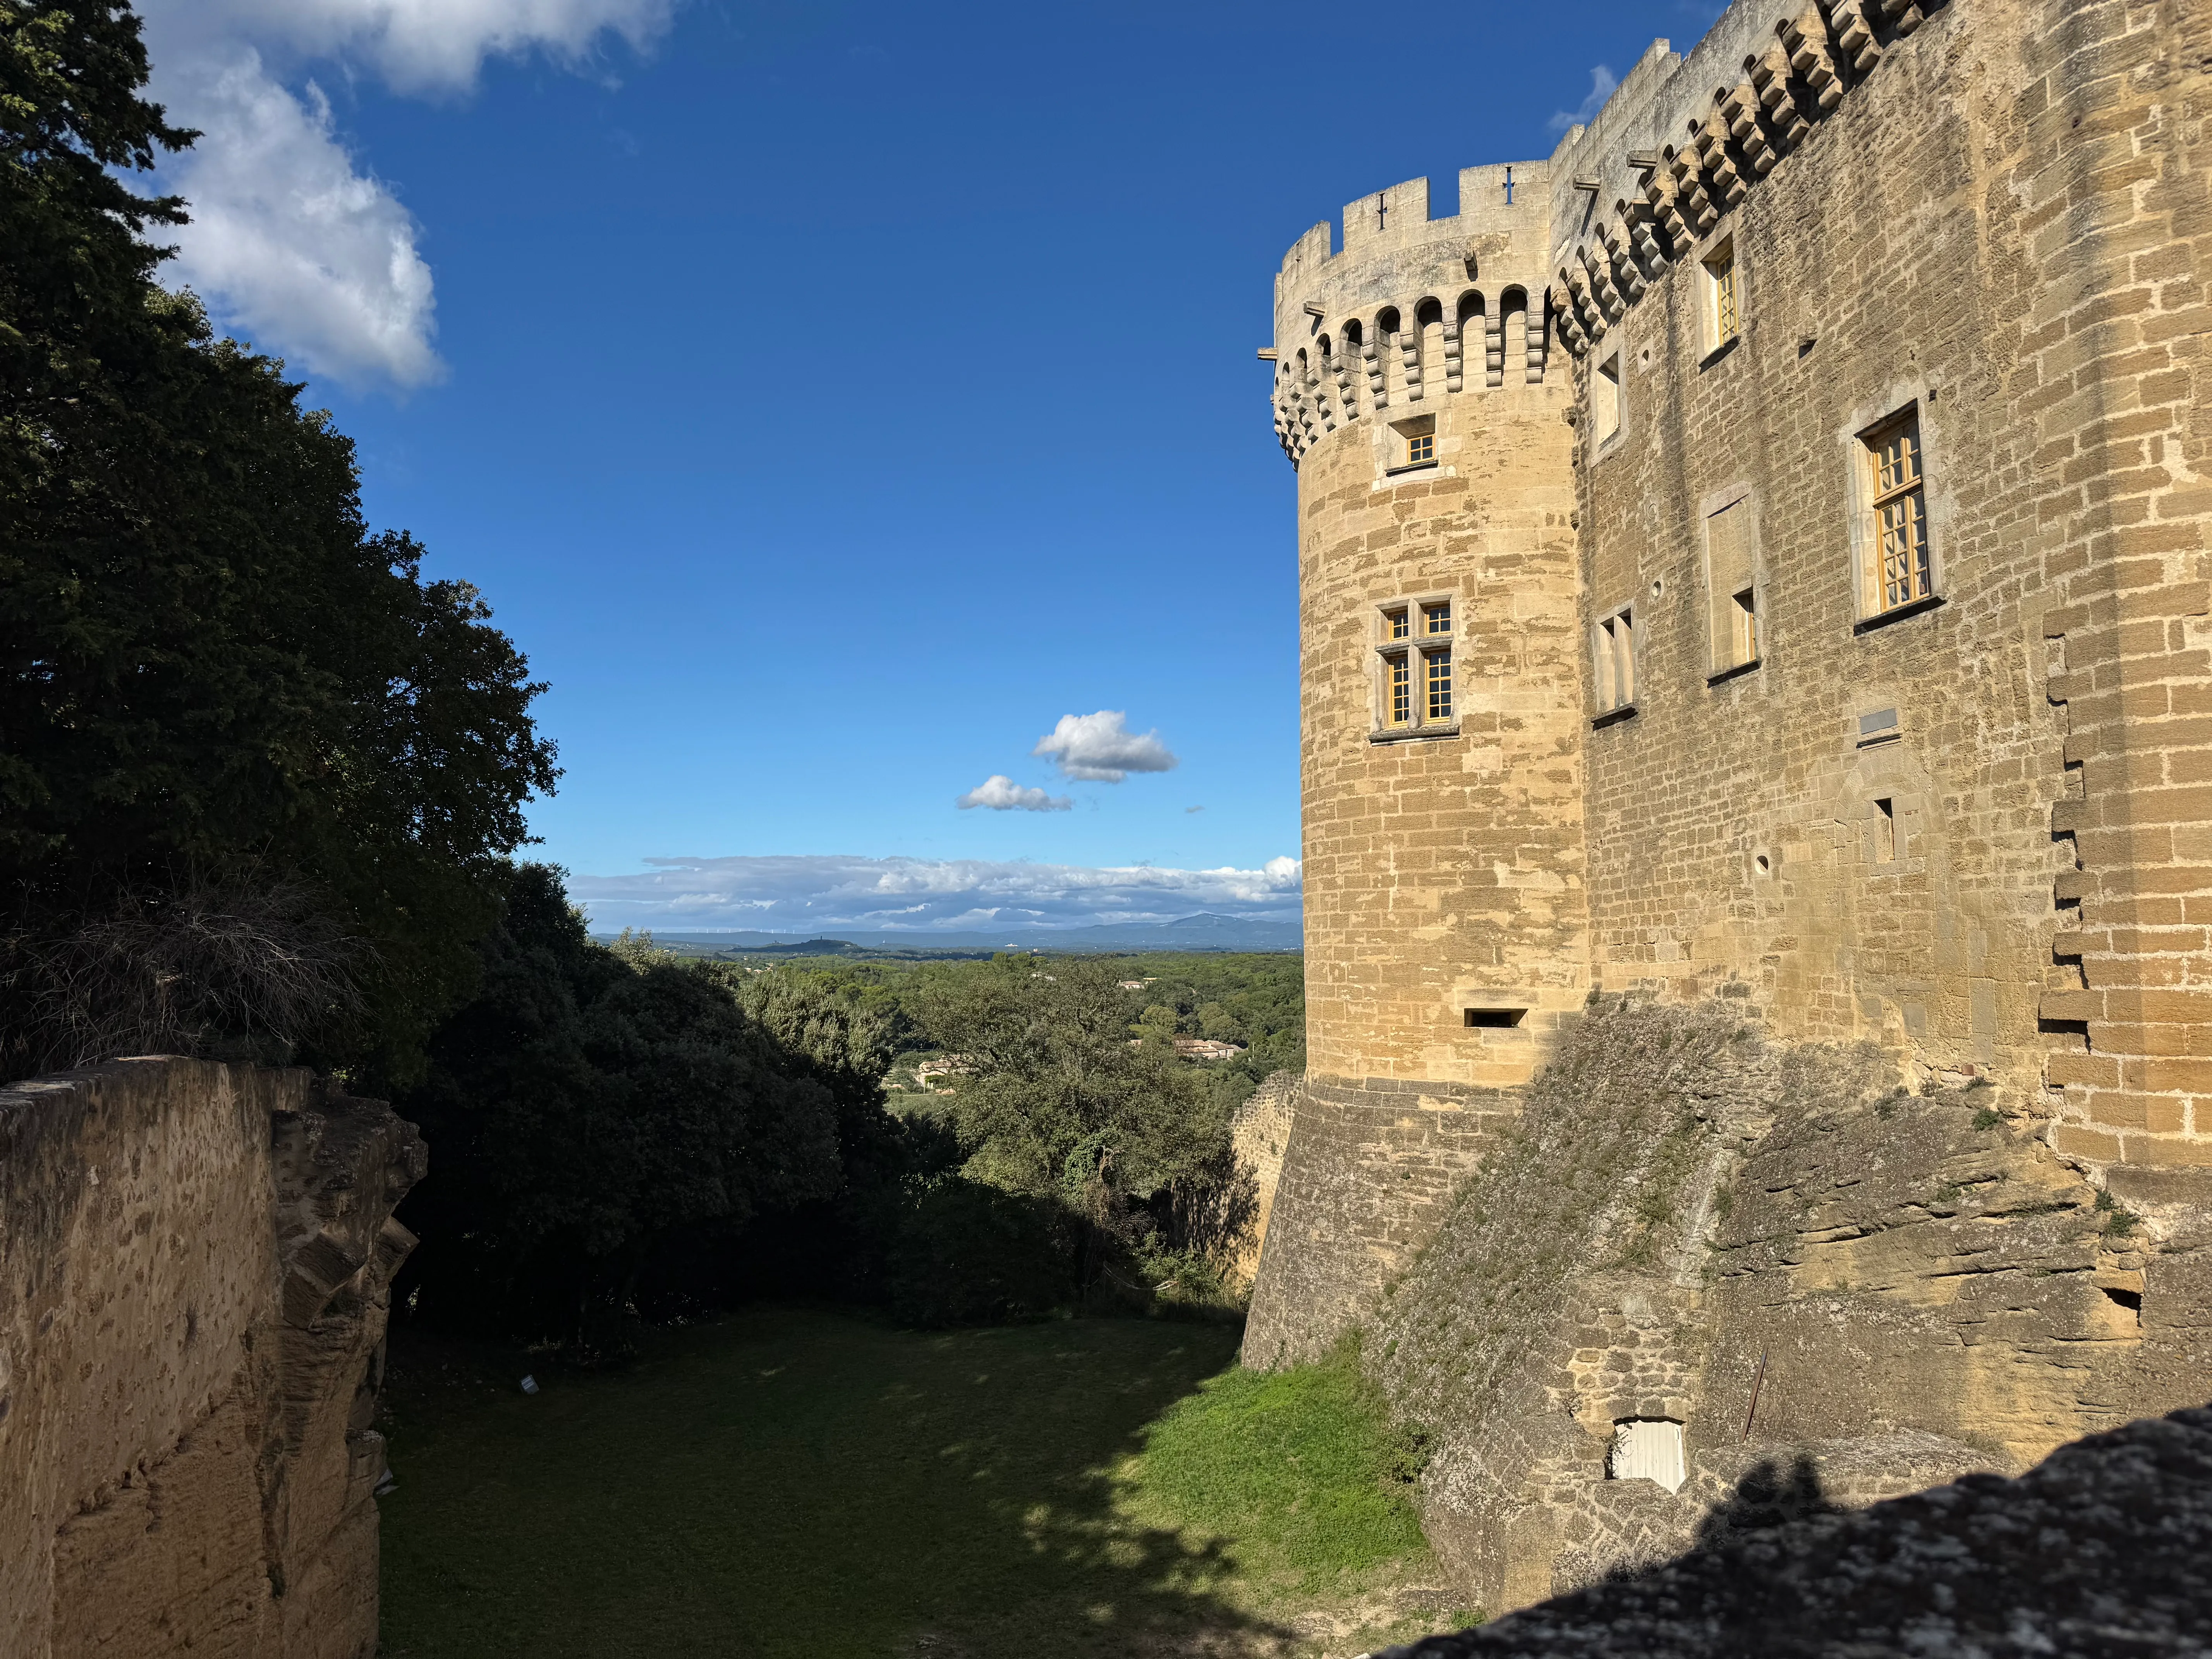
1854,35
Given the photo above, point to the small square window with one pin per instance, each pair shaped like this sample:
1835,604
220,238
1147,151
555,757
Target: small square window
1436,618
1398,624
1421,447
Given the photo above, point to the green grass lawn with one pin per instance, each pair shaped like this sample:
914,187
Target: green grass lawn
790,1482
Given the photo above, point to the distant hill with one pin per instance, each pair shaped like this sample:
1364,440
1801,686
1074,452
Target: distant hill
1204,932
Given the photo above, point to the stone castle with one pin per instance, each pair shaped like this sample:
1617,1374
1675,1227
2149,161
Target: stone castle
1754,571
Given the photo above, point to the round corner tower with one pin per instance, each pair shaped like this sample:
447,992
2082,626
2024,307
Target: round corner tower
1441,714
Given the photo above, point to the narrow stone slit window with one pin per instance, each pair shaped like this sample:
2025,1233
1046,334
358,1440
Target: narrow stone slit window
1604,400
1723,310
1731,588
1614,668
1647,1448
1495,1019
1884,831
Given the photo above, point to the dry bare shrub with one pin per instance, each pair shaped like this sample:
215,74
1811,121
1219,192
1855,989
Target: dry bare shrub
241,968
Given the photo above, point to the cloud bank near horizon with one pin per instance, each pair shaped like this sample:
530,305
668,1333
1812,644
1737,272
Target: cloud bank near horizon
804,893
294,242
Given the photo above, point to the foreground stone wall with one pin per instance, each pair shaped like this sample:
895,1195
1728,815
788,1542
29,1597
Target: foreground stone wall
2097,1550
194,1266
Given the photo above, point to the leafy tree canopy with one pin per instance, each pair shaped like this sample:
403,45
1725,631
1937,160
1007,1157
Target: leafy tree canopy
208,662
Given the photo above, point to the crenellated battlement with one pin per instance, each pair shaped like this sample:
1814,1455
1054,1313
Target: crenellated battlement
1412,308
1684,139
1379,316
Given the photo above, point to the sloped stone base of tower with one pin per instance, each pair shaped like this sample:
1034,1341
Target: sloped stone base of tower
1706,1282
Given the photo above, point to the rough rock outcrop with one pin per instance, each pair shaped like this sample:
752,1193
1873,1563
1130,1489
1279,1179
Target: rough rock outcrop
1738,1255
195,1263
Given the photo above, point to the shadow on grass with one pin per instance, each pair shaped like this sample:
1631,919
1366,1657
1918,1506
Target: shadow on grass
787,1482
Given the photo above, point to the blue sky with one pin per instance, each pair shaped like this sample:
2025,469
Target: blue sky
831,399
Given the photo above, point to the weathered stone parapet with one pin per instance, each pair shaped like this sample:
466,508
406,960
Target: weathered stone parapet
195,1260
1259,1134
1368,1172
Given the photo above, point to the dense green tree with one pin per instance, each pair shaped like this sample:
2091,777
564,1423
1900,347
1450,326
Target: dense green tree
596,1114
1059,1099
210,669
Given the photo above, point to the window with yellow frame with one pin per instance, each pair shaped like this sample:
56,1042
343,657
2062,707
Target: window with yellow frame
1901,561
1414,667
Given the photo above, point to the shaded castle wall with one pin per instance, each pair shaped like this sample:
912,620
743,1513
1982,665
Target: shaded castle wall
194,1260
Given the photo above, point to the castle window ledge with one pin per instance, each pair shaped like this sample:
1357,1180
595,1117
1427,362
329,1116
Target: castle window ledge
1882,619
1410,467
1613,716
1735,673
1719,352
1414,734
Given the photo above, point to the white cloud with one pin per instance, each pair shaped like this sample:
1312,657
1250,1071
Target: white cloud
1602,81
291,245
293,241
1002,794
1101,749
416,46
795,894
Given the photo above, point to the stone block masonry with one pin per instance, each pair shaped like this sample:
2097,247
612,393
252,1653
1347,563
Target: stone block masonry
1761,560
195,1260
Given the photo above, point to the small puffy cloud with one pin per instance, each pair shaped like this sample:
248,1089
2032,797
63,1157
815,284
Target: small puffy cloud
293,241
1101,749
795,894
1602,81
1001,793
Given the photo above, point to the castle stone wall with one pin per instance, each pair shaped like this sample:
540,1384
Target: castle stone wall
1995,215
193,1265
1959,832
